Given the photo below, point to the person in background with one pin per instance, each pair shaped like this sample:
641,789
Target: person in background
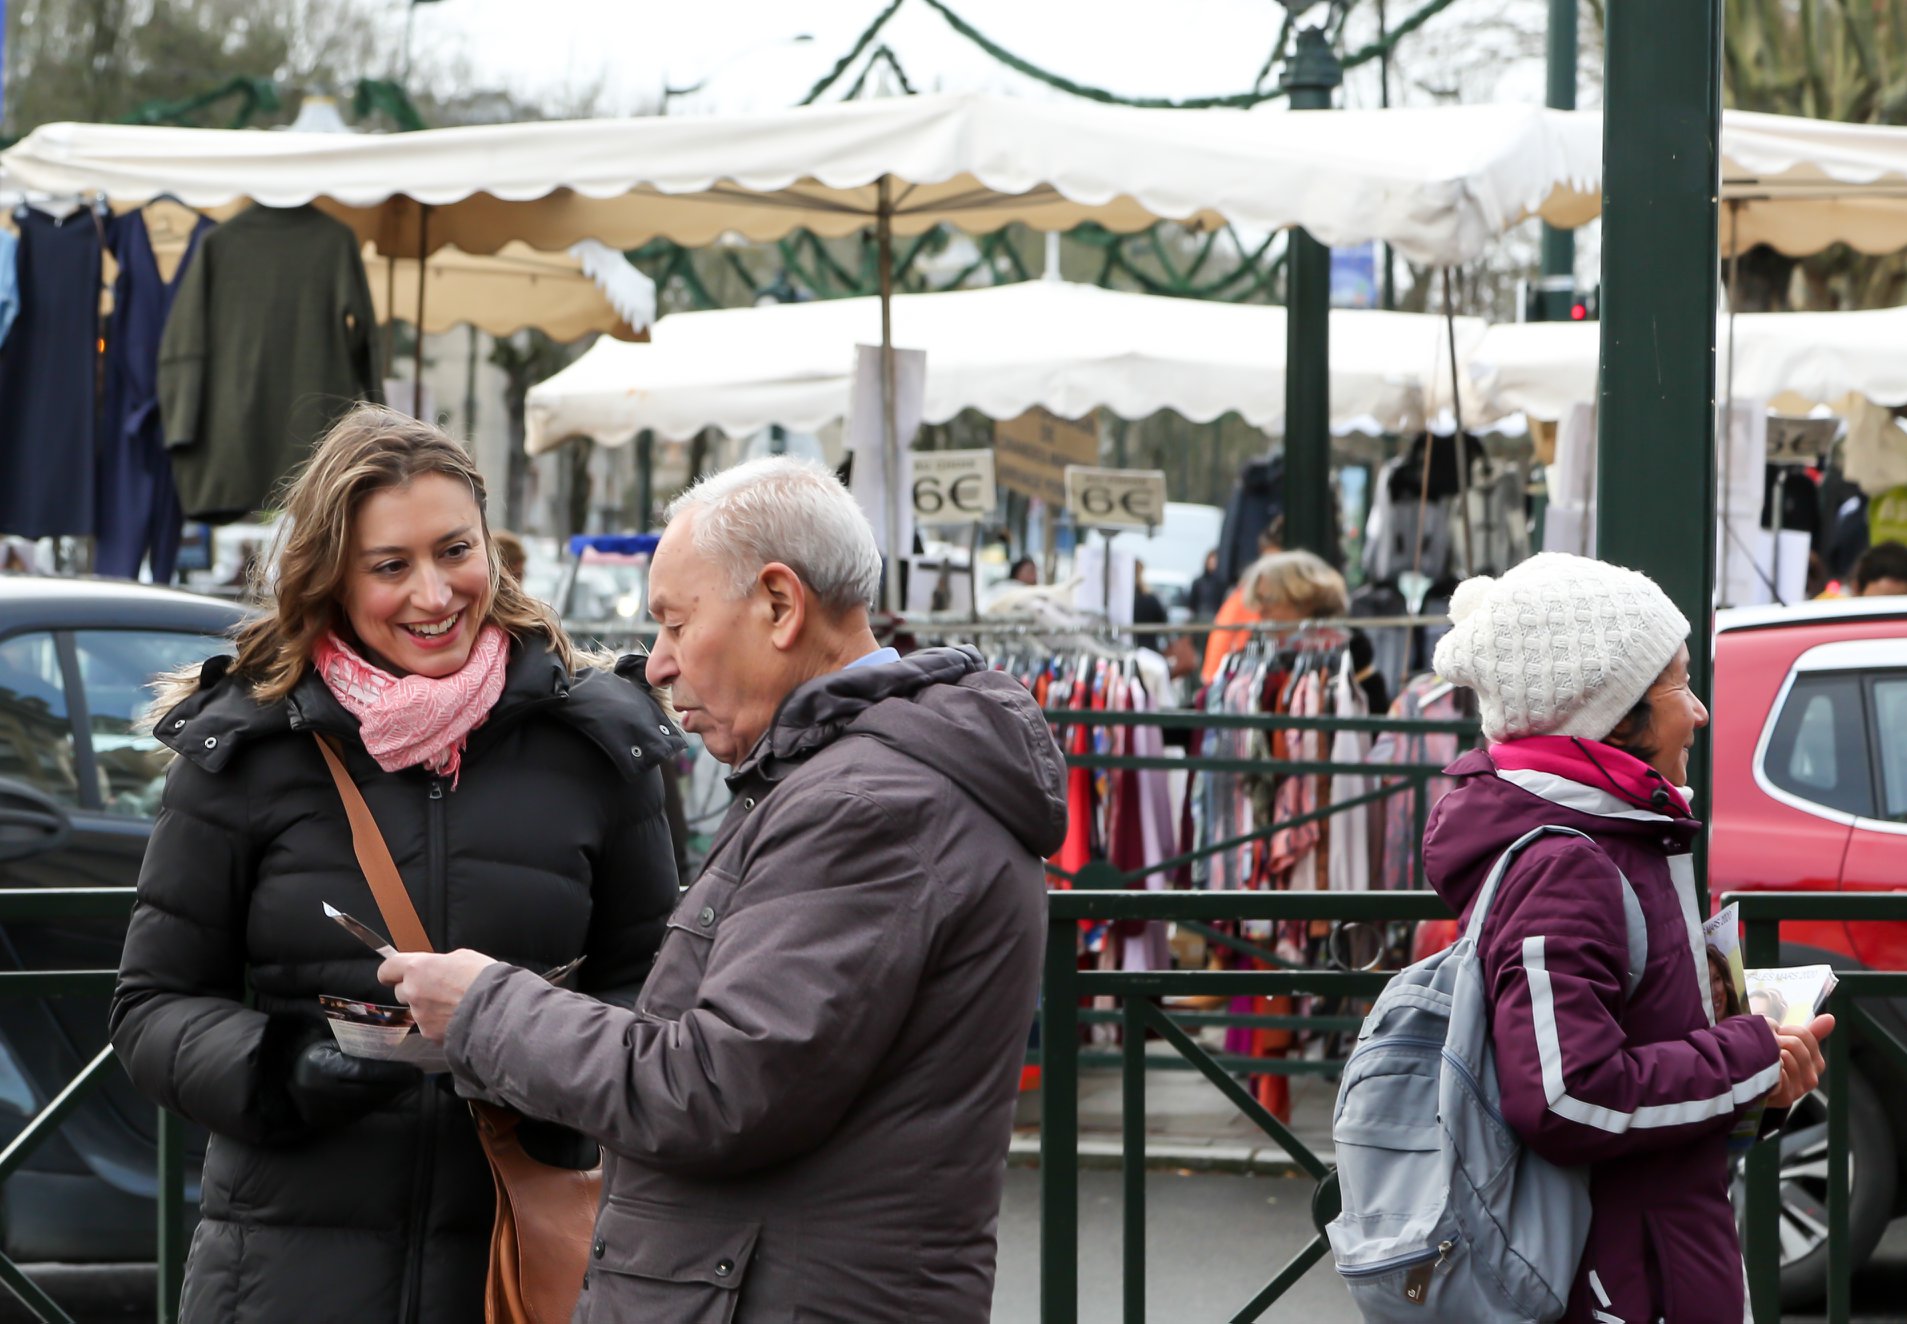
1581,673
1146,609
1025,571
1208,590
511,552
515,783
1281,586
1236,609
1881,571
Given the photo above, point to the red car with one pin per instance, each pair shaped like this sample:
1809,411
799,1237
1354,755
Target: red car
1810,794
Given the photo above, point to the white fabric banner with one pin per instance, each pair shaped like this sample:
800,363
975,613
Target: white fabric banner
881,497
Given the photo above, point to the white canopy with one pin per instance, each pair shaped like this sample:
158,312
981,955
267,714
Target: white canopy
1440,184
1068,348
1543,368
1800,185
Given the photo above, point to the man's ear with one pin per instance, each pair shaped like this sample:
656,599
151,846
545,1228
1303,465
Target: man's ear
787,599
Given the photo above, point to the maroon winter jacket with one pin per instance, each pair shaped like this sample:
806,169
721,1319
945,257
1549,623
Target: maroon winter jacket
1644,1088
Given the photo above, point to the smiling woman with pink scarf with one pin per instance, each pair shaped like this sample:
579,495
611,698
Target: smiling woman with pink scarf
516,785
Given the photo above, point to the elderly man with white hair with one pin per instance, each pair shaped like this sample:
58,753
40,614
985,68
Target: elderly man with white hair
806,1115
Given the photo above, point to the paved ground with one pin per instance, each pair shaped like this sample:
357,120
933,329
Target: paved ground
1215,1239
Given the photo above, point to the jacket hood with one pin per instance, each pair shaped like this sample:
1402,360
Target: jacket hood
614,709
940,707
1493,805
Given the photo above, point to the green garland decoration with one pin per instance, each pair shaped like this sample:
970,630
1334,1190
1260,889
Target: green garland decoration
861,43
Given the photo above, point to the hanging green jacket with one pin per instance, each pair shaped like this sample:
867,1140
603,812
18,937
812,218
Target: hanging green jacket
271,338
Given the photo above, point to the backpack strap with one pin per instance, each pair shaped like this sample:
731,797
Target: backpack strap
1638,932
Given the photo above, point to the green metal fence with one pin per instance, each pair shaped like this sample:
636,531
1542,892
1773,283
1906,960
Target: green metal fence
1762,914
28,905
1066,985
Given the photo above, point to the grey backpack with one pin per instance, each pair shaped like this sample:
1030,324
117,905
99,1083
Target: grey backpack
1446,1215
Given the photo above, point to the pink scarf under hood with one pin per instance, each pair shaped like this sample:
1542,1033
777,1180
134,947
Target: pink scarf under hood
412,721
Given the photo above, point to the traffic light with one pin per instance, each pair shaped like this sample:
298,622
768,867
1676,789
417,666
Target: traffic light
1556,299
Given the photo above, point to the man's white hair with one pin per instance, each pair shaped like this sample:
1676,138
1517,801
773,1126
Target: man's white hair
787,510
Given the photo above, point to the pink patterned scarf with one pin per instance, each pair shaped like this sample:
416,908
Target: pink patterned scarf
410,720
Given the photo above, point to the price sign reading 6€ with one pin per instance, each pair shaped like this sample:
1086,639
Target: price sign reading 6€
1115,498
953,487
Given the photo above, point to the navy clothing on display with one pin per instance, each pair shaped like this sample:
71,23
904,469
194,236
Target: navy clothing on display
138,504
47,379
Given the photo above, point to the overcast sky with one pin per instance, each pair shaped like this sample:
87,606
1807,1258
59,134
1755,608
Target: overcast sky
619,54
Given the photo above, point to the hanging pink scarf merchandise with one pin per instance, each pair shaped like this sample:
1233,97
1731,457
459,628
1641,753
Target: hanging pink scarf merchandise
411,720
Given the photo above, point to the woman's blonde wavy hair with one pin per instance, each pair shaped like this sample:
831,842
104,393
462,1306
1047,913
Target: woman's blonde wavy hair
369,450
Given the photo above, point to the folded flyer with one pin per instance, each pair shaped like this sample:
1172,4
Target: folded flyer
381,1030
388,1033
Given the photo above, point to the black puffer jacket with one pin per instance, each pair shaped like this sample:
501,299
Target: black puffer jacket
553,843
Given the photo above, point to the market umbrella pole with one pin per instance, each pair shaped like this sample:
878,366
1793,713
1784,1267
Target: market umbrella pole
417,358
1456,412
1727,439
890,427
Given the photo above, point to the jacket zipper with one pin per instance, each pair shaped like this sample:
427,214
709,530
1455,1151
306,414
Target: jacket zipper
1422,1264
422,1177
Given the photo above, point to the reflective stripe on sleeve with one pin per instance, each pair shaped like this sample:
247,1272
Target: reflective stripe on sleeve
1549,1052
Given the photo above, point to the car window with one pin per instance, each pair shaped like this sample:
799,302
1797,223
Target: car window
1819,747
36,737
1890,731
117,668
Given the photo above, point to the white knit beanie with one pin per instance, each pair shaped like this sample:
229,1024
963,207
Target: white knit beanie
1559,646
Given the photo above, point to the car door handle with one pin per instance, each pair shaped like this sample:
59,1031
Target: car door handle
31,822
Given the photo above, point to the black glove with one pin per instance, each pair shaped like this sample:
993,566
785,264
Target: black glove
329,1087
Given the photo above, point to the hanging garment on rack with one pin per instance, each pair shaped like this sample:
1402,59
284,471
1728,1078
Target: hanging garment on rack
49,379
137,504
1350,863
1257,503
9,283
271,337
1390,533
1425,698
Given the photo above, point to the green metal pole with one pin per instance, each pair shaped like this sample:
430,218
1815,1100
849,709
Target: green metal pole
1559,246
1660,276
645,479
1761,1240
1840,1256
171,1277
1133,1156
1059,1128
1312,76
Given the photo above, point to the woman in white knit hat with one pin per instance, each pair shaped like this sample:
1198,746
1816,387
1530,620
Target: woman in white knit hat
1606,1056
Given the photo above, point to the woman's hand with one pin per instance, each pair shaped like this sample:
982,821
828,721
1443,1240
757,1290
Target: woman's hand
1801,1060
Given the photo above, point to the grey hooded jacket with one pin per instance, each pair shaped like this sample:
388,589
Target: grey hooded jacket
808,1112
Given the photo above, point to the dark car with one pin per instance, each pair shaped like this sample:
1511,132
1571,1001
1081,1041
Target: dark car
79,785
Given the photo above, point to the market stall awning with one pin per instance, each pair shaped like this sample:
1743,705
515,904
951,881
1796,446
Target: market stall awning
1803,359
1439,184
566,295
1800,185
1064,347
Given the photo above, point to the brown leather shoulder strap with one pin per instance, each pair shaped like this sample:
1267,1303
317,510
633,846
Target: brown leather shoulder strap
374,857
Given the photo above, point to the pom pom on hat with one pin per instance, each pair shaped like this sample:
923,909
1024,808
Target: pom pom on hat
1560,645
1469,596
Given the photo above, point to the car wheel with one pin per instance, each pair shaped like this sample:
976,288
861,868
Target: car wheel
1871,1170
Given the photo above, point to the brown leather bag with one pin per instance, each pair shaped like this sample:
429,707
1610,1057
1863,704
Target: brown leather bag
539,1245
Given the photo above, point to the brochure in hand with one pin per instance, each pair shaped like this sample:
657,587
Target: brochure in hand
1787,995
383,1031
